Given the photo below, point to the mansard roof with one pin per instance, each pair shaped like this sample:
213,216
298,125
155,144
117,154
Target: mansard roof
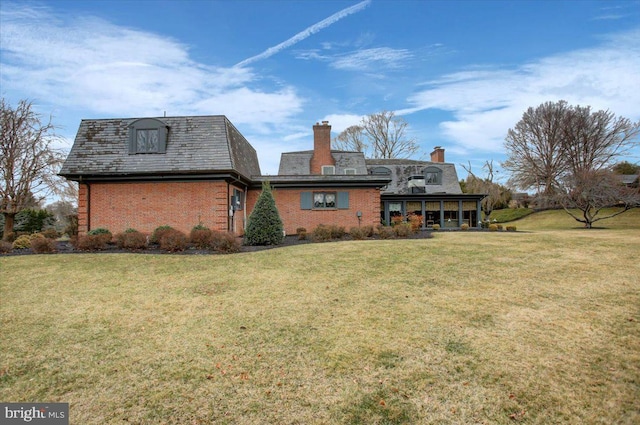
298,163
195,145
401,170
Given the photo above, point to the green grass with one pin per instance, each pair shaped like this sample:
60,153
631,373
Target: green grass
509,214
560,220
533,327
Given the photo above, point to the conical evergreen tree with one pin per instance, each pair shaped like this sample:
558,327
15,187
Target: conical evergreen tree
264,226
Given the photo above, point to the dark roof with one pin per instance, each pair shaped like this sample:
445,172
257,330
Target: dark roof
628,179
298,163
195,145
361,180
403,169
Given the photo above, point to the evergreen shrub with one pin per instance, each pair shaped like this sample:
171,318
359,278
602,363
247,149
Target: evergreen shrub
264,226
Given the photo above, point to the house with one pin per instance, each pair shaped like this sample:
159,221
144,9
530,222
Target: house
178,171
182,171
630,180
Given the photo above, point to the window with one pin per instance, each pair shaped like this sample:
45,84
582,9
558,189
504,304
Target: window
146,140
380,171
323,200
147,135
432,175
237,200
328,169
349,171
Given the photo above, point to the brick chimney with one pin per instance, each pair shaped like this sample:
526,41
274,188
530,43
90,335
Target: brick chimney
321,147
437,155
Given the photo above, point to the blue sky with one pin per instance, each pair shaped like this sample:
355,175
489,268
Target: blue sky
461,73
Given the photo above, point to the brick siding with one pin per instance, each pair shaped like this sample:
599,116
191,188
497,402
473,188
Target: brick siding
145,206
293,216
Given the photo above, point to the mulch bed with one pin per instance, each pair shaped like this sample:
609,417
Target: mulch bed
65,247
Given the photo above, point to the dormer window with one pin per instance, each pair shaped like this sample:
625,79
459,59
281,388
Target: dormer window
381,171
432,175
146,141
147,135
350,171
328,169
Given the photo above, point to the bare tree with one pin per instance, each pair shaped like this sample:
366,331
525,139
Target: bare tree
592,142
379,135
534,149
351,139
566,153
28,162
497,195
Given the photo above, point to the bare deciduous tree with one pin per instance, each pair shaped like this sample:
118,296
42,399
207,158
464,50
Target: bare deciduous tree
351,139
497,195
534,148
379,135
592,142
566,153
28,162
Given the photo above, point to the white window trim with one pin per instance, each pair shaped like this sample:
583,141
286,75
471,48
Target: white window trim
326,168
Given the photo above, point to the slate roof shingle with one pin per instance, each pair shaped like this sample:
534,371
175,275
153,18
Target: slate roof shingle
195,144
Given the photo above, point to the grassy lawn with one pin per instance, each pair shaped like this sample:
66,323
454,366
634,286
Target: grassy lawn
533,327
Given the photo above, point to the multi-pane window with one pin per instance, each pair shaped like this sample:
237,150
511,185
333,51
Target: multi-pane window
324,200
147,135
328,169
146,140
432,175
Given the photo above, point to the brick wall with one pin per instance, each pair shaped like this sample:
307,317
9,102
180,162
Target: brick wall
145,206
366,201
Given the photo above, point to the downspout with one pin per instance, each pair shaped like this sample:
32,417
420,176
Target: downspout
228,209
88,207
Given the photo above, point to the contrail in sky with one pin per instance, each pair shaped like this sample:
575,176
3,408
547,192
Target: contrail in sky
306,33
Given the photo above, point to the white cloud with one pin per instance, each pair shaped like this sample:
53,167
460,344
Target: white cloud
486,102
92,65
368,59
340,122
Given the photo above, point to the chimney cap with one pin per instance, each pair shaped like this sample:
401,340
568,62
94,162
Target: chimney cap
325,122
435,148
